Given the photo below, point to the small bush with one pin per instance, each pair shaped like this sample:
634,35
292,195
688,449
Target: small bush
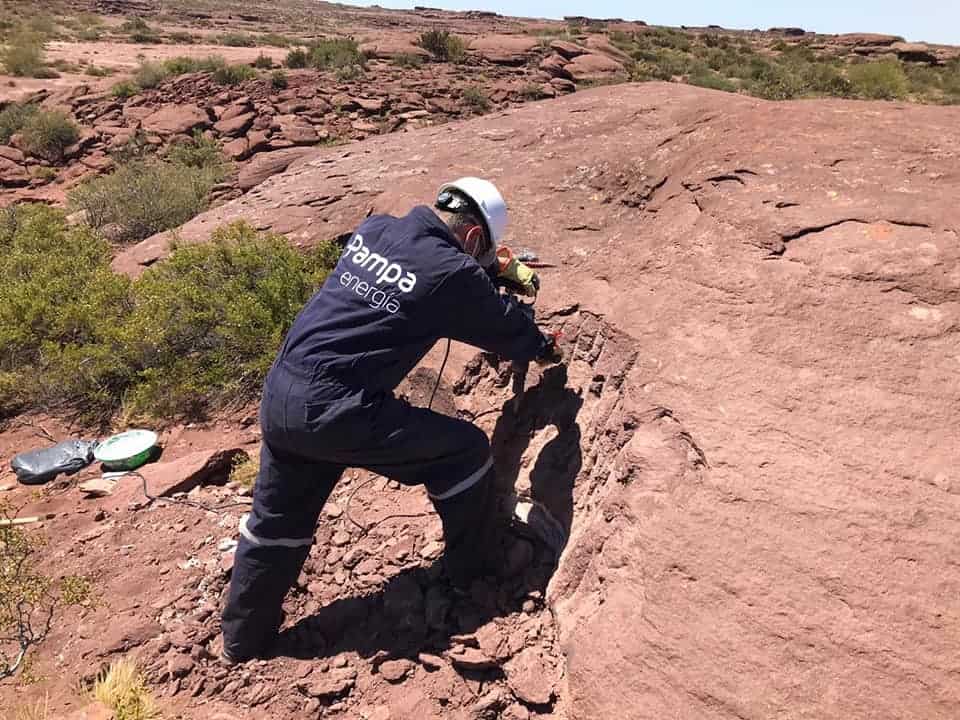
42,23
46,174
150,74
143,197
59,295
13,118
278,80
263,62
880,80
532,91
333,53
86,19
23,55
47,133
273,40
124,89
182,38
97,71
408,61
476,99
199,152
181,65
347,73
234,74
122,689
244,472
135,24
237,40
296,58
136,148
823,78
29,600
707,79
89,34
443,45
139,31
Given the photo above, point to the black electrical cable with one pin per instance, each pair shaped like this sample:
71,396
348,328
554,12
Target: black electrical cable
183,501
443,366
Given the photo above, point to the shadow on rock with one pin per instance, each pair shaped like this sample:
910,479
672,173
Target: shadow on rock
416,611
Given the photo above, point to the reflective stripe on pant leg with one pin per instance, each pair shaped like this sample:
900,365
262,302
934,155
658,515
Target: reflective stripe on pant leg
464,484
271,542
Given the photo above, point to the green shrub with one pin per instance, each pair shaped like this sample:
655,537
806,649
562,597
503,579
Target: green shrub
150,74
951,82
196,330
89,34
408,60
297,58
263,62
136,148
244,471
23,55
145,196
59,296
139,31
13,118
47,133
476,99
237,40
207,322
181,37
707,79
278,80
532,91
135,24
443,45
824,78
46,174
774,82
880,80
348,73
273,40
181,65
333,53
200,152
234,74
97,71
124,89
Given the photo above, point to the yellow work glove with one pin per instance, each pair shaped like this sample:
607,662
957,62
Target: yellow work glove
516,273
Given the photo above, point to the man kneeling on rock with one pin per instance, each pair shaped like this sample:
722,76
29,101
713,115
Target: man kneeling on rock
328,402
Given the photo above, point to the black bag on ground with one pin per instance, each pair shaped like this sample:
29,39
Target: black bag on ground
36,467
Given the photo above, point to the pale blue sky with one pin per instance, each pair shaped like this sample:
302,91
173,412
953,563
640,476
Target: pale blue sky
935,21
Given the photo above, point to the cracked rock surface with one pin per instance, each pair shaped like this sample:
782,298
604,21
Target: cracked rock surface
765,504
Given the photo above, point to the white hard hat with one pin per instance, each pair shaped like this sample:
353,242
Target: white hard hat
484,197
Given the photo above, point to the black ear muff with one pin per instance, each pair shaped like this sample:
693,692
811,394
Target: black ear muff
450,202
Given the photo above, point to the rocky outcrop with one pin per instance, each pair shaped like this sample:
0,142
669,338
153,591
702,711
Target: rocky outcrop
388,49
915,52
504,49
595,68
254,118
752,442
175,120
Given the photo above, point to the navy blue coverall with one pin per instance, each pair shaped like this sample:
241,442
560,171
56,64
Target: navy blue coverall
328,404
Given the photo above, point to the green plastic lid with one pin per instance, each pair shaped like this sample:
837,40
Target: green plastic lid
127,449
